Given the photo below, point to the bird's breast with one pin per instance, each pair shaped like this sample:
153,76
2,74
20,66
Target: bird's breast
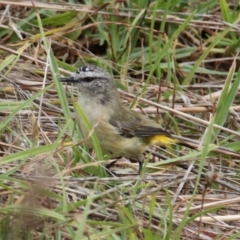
94,111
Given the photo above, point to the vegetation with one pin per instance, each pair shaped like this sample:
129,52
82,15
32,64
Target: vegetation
176,61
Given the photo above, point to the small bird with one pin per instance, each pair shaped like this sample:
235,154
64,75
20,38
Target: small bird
121,131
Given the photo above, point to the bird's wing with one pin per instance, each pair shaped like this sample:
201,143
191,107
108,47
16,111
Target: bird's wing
148,131
138,126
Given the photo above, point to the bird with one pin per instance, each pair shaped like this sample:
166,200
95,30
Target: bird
121,132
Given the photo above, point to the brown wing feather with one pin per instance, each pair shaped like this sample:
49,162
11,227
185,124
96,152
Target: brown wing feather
138,125
148,131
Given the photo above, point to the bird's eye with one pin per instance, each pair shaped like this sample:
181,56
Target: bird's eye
87,79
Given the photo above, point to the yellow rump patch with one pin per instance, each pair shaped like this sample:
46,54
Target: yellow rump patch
160,140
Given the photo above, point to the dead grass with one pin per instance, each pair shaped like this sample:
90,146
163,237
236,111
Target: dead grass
47,187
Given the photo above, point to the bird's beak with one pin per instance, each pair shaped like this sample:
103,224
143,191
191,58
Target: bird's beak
69,79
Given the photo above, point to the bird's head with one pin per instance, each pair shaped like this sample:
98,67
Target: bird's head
92,80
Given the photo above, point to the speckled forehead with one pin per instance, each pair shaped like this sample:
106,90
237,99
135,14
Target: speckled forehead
85,69
88,71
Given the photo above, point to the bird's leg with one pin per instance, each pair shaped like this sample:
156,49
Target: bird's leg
111,164
140,166
140,162
140,159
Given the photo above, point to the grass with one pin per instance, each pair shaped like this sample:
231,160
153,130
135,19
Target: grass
176,61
